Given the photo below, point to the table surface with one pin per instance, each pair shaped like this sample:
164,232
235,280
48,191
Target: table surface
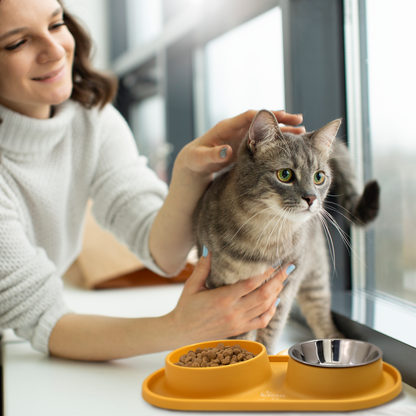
39,385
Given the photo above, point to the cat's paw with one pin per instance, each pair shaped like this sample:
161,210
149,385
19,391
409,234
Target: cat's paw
368,205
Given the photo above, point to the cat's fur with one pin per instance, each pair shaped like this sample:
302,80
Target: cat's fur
250,220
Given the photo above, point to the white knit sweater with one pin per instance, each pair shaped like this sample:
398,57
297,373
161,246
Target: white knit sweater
48,170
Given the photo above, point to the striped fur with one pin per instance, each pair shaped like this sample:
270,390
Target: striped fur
250,220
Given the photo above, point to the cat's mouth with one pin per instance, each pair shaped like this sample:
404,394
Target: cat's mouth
303,214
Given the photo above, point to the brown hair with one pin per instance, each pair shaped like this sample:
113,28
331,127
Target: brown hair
91,88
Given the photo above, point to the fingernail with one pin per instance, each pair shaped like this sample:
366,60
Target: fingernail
290,269
277,302
223,152
204,251
279,110
277,264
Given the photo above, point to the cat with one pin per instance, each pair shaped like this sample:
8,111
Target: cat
268,209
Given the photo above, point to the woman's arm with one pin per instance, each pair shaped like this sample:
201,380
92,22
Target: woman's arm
200,315
171,234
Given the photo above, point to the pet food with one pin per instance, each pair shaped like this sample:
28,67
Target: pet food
214,357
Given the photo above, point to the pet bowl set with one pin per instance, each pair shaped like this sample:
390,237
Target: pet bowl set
326,375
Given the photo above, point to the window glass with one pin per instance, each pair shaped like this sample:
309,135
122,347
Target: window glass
391,40
244,68
147,119
144,21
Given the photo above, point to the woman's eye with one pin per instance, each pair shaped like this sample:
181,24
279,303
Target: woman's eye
284,175
319,178
57,25
15,46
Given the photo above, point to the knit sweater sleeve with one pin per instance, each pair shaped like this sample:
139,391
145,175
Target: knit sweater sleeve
126,193
31,299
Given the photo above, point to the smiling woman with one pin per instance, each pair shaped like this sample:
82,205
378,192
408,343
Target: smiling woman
46,61
53,162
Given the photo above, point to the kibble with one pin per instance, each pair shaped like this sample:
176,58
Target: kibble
214,357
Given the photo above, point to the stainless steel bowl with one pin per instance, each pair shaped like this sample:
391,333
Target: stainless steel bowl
335,353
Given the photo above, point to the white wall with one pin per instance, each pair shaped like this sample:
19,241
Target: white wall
94,15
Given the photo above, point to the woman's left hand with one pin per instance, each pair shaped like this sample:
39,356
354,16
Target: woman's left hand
217,148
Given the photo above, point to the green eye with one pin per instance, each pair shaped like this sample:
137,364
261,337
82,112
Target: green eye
284,175
319,178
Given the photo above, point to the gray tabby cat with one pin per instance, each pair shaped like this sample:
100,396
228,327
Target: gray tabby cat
268,209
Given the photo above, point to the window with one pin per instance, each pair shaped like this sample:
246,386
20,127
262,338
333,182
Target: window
391,38
381,90
244,68
144,21
147,119
380,85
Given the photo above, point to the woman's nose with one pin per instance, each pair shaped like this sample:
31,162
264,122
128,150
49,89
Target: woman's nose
51,50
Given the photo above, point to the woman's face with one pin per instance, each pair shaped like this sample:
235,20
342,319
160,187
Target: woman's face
36,56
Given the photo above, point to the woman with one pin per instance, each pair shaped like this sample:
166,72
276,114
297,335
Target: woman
61,142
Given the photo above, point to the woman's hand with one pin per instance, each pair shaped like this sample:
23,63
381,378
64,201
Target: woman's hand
218,147
200,315
203,314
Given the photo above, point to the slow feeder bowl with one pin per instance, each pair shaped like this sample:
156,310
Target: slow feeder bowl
328,375
212,382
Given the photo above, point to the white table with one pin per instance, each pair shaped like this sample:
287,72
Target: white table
37,385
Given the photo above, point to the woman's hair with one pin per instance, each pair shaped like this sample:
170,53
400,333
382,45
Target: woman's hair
91,88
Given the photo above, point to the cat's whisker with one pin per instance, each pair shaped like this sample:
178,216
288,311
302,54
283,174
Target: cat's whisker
281,221
348,219
264,229
343,234
265,209
285,217
265,246
328,238
345,209
333,195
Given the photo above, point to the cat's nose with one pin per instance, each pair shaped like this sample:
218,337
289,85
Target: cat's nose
309,199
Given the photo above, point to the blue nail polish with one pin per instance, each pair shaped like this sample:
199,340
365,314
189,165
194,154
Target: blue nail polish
223,152
204,251
277,264
290,269
277,302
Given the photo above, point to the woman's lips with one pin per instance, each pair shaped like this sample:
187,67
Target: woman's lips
52,76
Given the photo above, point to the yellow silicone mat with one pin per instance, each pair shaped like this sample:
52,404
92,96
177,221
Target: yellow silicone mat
272,394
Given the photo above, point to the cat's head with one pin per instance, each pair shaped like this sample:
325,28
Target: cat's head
289,173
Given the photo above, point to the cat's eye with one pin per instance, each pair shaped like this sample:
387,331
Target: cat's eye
284,175
319,178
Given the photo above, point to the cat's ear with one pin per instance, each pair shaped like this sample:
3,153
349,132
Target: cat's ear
264,128
324,137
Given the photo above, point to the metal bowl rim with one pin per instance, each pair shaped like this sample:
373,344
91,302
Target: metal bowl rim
380,352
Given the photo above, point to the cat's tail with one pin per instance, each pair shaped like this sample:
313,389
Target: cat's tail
359,209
